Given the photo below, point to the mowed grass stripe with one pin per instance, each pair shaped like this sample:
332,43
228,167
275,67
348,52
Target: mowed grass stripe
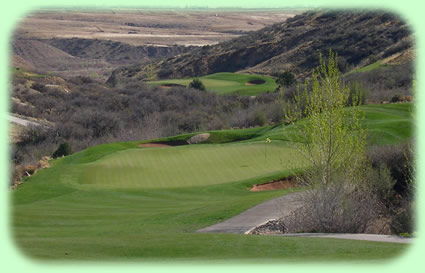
228,83
184,166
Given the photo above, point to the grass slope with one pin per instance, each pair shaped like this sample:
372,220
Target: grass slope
117,201
369,67
183,166
225,83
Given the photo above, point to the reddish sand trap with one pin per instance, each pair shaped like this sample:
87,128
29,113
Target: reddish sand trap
248,83
153,145
275,185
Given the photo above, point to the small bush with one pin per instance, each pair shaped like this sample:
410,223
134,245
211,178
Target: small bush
197,84
64,149
260,118
398,159
285,79
336,208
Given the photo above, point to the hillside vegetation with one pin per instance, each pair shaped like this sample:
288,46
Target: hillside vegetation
115,52
359,39
83,57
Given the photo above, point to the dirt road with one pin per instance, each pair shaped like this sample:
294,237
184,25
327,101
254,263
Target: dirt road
21,121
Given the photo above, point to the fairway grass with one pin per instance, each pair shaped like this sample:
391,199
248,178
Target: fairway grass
226,83
122,202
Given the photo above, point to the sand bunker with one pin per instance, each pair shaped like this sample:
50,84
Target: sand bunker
169,85
255,82
153,145
286,183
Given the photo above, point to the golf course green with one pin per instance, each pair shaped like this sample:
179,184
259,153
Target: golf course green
226,83
120,201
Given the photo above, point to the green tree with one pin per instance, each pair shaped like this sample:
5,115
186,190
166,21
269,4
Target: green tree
331,137
285,79
197,84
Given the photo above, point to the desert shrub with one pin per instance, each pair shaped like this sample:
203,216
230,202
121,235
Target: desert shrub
358,94
381,183
274,112
80,80
64,149
21,109
398,159
197,84
384,82
397,163
402,45
336,208
39,87
285,79
403,219
260,118
33,135
100,123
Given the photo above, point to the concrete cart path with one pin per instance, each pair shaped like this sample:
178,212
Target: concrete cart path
253,217
280,207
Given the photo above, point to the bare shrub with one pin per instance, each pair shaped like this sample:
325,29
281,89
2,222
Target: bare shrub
336,208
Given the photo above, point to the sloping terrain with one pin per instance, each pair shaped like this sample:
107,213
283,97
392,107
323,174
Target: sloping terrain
161,27
83,209
35,54
114,52
359,38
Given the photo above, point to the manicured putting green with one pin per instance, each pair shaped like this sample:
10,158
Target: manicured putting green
184,166
228,83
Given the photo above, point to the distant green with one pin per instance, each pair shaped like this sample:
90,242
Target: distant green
226,83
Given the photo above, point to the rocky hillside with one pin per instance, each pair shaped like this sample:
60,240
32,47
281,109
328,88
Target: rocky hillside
83,57
359,38
115,52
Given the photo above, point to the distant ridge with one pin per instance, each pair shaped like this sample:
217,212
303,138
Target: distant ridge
360,38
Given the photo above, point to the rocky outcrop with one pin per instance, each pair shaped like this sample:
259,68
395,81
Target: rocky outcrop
198,138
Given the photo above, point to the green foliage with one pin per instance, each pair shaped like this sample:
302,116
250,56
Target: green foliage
151,74
197,84
357,94
64,149
381,183
94,75
331,139
285,79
